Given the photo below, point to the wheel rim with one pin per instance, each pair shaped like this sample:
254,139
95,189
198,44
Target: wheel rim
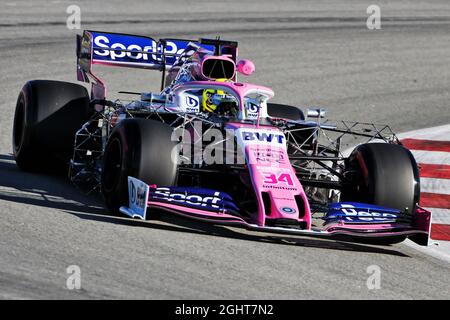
113,165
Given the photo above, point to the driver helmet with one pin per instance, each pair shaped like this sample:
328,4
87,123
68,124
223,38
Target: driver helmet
209,104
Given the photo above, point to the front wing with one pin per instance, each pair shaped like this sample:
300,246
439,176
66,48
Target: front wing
217,207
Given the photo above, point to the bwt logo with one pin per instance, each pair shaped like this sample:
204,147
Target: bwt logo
192,101
142,52
252,107
138,195
262,136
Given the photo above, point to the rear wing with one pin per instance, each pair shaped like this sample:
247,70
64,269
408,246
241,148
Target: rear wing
134,51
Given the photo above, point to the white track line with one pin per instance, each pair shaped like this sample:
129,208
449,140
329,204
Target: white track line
431,157
438,249
441,216
441,186
434,133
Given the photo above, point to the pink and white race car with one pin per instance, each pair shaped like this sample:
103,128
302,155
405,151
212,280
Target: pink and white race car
212,148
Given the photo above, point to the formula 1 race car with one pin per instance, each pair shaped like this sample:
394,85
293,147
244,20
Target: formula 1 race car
209,147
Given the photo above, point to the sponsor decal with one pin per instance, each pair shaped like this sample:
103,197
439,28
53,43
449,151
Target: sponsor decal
133,49
191,103
279,188
123,47
262,136
352,213
194,197
284,198
277,179
252,109
138,194
269,156
288,210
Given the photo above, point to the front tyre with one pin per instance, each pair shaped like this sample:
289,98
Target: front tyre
142,149
385,175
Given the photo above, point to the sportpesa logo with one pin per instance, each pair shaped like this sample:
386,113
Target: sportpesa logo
116,47
143,51
104,42
212,201
352,214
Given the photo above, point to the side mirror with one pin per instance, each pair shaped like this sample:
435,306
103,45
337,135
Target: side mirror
245,67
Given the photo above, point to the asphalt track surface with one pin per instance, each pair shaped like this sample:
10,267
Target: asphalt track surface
311,53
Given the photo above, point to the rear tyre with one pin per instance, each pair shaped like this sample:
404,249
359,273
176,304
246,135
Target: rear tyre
142,149
284,111
47,116
385,175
